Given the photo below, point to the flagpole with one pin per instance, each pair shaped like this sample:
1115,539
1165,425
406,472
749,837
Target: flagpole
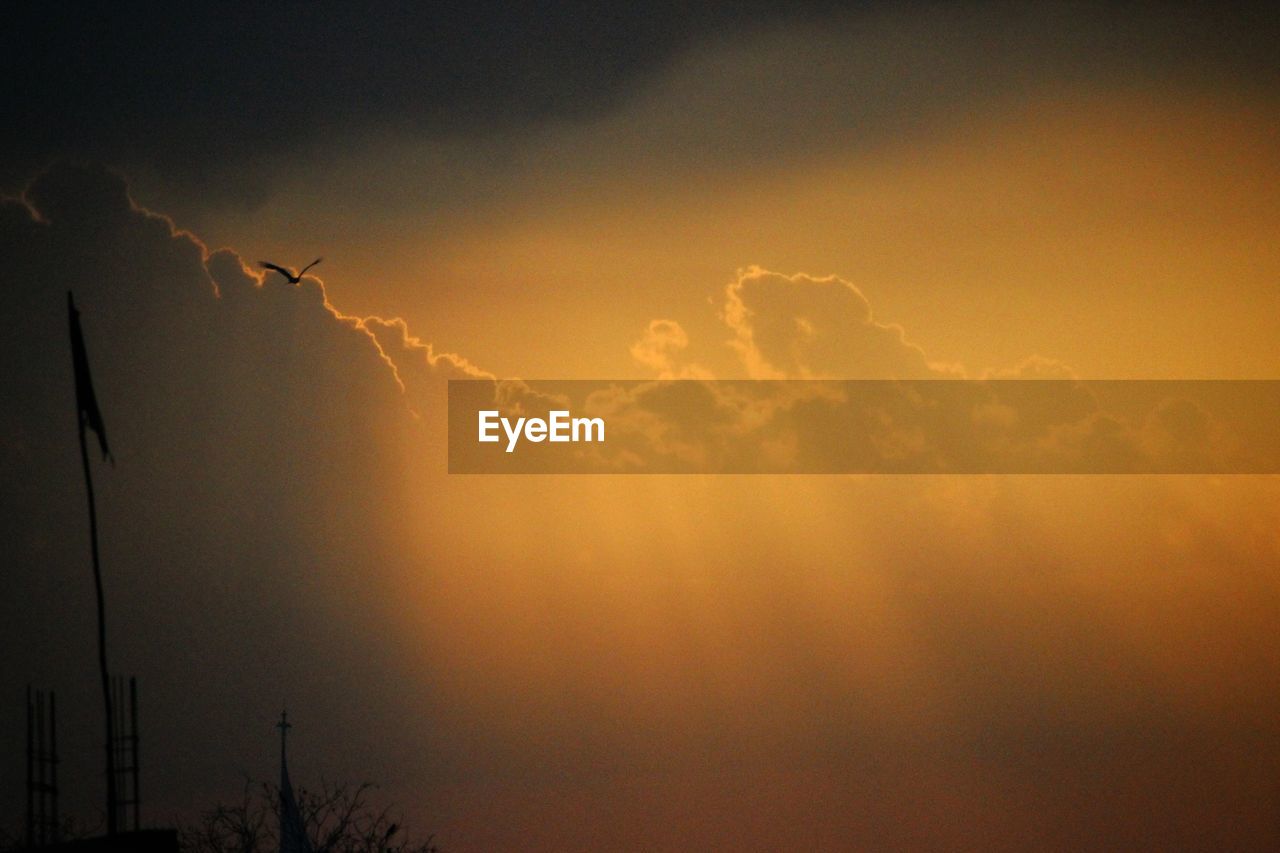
102,636
102,609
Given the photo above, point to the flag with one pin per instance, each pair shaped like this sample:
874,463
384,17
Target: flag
86,401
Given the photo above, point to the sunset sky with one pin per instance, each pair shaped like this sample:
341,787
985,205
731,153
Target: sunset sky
596,191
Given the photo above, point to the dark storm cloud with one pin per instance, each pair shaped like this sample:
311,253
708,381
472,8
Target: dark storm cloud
253,430
217,97
186,88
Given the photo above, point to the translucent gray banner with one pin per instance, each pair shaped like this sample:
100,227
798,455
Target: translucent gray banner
864,427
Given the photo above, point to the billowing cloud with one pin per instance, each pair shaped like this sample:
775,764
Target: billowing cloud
559,662
897,426
802,327
273,83
273,86
805,327
661,349
253,430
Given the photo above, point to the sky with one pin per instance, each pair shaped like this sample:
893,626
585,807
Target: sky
597,191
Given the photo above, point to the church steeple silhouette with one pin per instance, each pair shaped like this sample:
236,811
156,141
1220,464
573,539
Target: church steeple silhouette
293,829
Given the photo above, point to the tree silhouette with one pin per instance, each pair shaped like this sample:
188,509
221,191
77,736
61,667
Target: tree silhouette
339,818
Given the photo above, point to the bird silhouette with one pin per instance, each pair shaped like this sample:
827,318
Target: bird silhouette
293,277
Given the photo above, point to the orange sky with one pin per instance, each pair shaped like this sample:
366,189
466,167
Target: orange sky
1077,225
595,663
928,661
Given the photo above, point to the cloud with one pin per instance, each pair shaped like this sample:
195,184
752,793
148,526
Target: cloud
245,536
1033,367
661,349
802,327
221,102
217,100
549,662
898,426
1034,417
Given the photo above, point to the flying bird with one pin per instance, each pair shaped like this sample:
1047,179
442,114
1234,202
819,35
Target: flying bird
293,277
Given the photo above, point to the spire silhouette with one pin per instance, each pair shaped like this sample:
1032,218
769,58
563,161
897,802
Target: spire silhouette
293,829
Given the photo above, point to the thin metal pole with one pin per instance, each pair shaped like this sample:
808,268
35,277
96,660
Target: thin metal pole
133,713
102,636
115,744
54,831
41,772
31,772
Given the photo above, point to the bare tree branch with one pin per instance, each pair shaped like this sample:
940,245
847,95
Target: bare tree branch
339,818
